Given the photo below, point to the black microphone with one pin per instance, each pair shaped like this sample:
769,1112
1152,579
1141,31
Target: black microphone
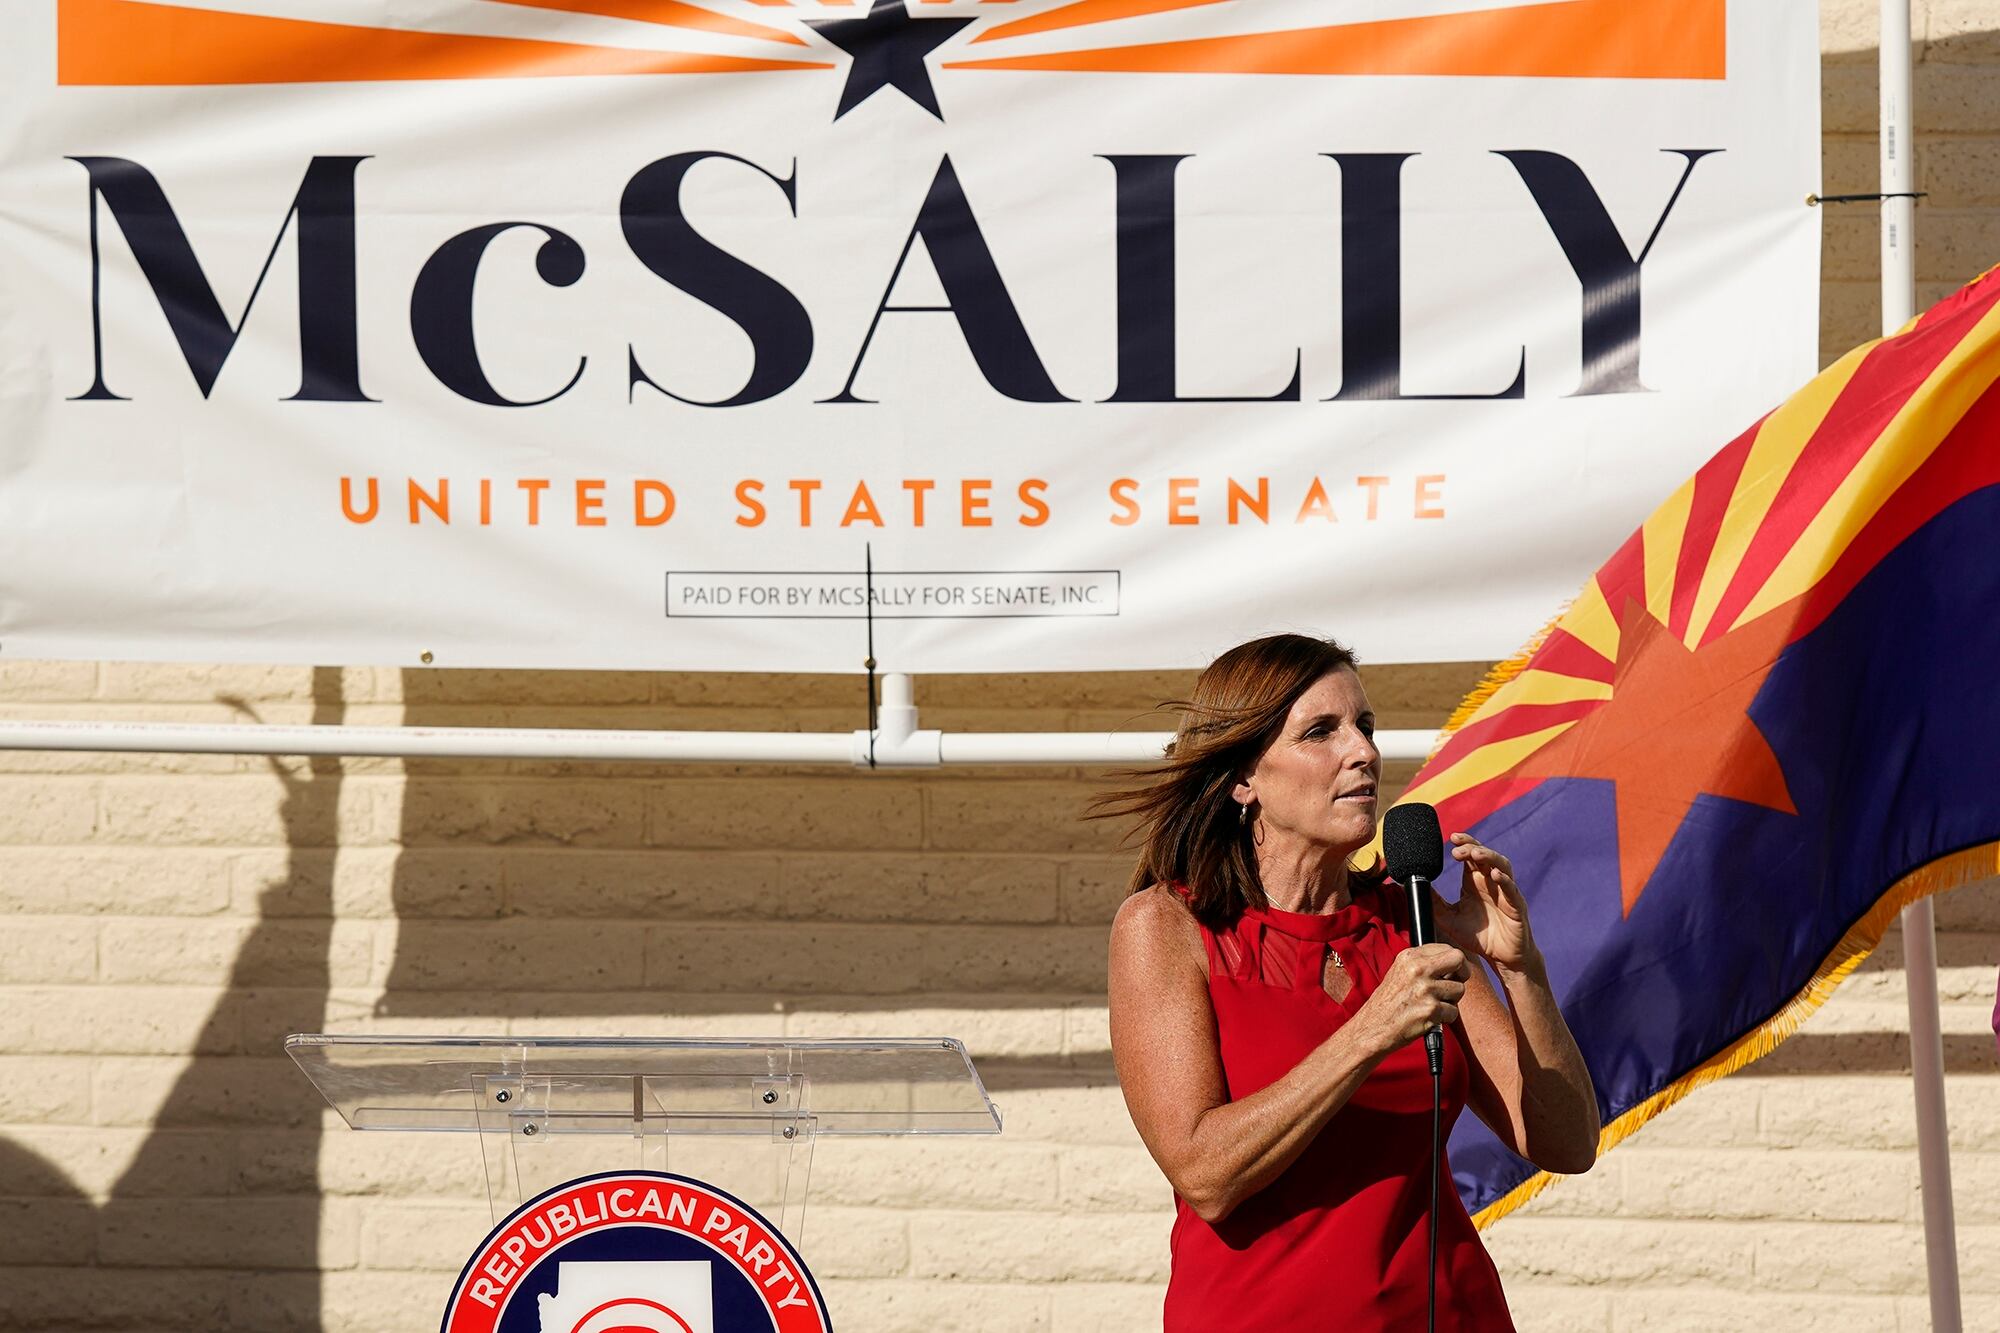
1413,844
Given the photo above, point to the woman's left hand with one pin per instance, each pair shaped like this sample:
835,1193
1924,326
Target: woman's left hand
1490,917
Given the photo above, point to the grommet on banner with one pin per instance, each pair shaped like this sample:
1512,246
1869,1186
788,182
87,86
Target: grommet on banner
1815,200
425,657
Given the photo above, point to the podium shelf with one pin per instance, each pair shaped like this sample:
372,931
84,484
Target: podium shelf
649,1086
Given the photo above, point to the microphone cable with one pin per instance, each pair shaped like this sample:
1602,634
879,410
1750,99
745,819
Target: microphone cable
1434,1048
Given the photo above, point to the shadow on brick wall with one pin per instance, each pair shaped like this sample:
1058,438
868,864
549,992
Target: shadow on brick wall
216,1221
713,900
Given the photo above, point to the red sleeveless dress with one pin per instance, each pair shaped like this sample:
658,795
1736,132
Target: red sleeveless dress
1339,1241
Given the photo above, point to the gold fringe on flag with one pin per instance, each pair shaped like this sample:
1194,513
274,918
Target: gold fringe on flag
1947,872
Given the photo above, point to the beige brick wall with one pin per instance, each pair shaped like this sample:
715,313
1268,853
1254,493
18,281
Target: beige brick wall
164,922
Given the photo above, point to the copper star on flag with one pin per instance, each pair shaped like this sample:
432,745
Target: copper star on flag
1677,726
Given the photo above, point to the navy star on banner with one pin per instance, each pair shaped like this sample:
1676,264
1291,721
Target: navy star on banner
888,48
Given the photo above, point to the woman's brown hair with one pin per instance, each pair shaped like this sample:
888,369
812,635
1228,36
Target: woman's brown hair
1189,829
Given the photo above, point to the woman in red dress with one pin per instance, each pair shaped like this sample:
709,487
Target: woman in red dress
1265,1002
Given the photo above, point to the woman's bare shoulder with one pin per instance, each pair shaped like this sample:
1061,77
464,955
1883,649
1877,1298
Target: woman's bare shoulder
1156,921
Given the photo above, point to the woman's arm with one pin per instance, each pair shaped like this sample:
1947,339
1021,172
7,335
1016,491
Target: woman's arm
1216,1152
1529,1082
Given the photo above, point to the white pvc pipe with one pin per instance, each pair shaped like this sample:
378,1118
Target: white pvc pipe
418,742
1899,305
1062,747
892,749
1899,175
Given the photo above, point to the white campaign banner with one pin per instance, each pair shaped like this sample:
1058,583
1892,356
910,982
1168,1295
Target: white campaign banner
630,333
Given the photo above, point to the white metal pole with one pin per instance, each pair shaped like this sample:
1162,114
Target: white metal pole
1899,304
897,743
1899,175
421,742
1933,1138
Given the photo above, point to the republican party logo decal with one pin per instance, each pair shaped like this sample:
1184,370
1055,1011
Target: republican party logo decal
635,1252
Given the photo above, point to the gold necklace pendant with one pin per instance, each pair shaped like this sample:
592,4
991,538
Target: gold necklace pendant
1335,979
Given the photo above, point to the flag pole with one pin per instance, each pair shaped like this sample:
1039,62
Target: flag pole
1899,298
1933,1145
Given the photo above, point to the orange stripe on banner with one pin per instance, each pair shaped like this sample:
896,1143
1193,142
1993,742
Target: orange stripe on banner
1569,39
667,13
127,42
1085,12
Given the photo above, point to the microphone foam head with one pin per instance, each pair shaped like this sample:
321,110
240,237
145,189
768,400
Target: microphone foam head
1412,842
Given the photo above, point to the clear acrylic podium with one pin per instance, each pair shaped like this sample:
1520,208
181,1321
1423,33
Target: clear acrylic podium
740,1115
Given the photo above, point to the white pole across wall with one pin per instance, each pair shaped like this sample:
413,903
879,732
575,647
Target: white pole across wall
898,743
1899,302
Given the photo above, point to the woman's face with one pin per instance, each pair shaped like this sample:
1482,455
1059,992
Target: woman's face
1320,779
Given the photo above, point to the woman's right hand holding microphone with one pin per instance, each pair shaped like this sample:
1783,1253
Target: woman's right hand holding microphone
1420,990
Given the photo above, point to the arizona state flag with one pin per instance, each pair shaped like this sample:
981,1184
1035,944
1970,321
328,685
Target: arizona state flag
1766,725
